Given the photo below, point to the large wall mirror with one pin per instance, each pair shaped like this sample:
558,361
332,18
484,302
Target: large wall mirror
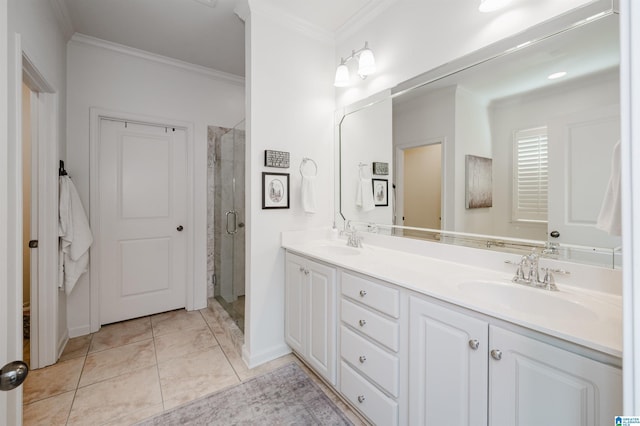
504,149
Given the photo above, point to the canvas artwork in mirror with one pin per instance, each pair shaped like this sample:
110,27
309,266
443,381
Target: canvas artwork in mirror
536,125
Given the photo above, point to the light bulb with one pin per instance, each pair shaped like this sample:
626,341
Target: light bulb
342,76
366,62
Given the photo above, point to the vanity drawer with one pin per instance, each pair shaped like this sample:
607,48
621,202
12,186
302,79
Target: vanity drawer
377,296
380,409
384,331
374,362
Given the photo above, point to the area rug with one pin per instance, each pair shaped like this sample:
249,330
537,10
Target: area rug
286,396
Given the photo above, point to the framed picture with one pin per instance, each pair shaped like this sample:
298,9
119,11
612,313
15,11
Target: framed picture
479,182
380,192
275,190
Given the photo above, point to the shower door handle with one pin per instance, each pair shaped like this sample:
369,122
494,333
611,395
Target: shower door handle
235,222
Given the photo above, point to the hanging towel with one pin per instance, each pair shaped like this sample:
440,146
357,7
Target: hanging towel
364,192
610,217
75,236
309,193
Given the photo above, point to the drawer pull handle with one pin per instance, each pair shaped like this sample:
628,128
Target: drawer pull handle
474,344
363,293
362,359
362,323
361,399
496,354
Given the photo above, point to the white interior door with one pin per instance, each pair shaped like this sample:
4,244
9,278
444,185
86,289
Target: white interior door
143,212
580,151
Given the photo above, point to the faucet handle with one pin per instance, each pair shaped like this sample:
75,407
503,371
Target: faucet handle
549,281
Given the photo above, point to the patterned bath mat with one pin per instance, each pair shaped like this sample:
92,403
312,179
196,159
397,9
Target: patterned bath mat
286,396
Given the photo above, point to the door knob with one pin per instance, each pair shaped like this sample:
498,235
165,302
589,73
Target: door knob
180,228
12,375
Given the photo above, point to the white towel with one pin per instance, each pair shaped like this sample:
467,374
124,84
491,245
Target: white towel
364,194
610,217
75,235
309,193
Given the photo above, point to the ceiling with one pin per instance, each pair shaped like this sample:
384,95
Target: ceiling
202,32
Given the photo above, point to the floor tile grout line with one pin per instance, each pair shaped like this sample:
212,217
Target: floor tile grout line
75,392
155,351
222,348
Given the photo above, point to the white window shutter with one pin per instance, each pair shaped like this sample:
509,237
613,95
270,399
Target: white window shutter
530,175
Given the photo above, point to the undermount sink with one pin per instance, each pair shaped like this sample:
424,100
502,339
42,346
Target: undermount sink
531,301
339,250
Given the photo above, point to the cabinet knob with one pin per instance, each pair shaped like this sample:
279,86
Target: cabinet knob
302,269
363,293
474,344
362,359
362,323
361,399
306,272
496,354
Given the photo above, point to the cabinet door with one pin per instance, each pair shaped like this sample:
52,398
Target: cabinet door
448,370
321,314
295,303
534,383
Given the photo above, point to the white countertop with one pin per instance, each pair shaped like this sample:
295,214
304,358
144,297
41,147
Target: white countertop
582,316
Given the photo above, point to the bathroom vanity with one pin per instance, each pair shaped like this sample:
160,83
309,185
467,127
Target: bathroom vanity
409,338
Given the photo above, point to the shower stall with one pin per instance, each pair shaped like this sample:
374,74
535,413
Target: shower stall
226,216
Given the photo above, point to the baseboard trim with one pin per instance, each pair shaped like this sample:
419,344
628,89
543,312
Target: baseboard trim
79,331
62,343
254,360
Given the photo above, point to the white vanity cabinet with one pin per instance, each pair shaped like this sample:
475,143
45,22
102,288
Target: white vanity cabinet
369,347
448,360
310,313
459,365
534,383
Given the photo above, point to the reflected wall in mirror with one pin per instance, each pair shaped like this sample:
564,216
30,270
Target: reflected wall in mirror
551,141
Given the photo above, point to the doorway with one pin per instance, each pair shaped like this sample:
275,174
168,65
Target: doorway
142,232
226,239
420,187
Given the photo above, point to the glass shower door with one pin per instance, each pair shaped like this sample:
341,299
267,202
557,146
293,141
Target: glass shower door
229,245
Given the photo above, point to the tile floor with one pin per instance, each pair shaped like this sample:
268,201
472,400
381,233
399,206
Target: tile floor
135,369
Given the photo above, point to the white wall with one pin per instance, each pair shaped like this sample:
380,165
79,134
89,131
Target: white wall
368,134
114,80
290,103
411,37
531,110
473,137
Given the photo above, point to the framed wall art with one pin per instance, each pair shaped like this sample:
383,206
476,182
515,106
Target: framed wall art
380,192
479,182
275,190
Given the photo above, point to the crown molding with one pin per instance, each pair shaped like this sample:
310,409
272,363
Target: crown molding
165,60
365,15
64,19
286,19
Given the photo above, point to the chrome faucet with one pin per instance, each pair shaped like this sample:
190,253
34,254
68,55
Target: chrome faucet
528,273
353,239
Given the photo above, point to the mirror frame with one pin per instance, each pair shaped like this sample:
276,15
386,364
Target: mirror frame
531,36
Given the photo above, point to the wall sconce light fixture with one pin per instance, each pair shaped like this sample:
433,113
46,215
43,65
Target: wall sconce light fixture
491,5
366,65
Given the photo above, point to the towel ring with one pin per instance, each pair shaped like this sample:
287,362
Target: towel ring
304,161
362,166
